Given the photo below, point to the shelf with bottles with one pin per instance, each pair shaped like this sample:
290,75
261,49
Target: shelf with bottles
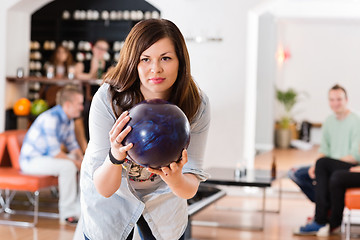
41,51
77,29
106,15
83,51
94,24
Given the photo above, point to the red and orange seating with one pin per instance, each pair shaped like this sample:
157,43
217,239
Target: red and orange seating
2,145
352,202
2,151
12,179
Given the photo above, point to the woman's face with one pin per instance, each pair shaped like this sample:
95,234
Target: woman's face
61,55
158,69
99,49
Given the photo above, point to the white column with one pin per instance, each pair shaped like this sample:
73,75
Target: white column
250,92
2,66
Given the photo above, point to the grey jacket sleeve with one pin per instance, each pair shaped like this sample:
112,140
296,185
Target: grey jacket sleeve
198,138
101,120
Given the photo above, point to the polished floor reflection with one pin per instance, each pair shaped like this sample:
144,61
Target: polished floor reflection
295,208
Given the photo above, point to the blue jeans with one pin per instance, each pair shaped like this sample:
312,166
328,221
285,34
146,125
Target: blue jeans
301,177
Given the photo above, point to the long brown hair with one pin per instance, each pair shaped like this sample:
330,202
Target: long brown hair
124,78
69,59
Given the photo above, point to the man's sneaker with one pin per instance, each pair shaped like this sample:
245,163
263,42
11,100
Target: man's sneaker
326,231
72,221
335,231
309,229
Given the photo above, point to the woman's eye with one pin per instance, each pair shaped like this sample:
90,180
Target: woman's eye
145,60
166,58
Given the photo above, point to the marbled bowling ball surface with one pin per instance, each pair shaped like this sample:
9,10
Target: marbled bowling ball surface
160,131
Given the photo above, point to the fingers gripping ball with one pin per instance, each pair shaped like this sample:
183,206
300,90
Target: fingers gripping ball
160,131
22,107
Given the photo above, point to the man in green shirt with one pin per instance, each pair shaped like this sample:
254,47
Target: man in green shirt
339,149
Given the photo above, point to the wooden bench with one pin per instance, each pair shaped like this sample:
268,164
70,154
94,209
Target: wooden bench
12,180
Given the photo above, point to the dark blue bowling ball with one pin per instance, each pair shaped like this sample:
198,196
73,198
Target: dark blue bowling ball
160,132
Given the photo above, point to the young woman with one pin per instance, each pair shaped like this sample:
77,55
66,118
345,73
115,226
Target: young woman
61,61
59,64
117,194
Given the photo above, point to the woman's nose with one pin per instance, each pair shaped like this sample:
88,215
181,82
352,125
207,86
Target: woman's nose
155,67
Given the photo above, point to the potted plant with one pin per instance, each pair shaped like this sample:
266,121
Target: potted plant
287,99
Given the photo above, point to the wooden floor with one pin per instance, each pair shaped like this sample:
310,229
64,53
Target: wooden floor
295,208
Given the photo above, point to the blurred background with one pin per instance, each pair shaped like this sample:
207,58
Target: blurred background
241,53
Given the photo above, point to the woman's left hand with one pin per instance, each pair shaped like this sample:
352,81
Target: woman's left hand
173,173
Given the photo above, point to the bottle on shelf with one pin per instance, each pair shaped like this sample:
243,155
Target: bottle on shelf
71,72
100,70
273,168
50,71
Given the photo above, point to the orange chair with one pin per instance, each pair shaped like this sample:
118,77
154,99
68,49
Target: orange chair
2,151
352,201
12,180
2,146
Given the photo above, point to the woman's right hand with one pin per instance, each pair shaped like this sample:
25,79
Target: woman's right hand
117,135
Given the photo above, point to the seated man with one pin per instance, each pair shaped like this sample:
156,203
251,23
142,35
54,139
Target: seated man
340,142
333,177
42,153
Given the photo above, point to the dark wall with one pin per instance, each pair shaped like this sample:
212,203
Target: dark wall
47,22
54,9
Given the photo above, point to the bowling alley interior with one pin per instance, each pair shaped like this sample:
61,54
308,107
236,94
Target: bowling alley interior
268,68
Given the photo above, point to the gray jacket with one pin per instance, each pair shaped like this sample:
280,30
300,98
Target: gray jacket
114,217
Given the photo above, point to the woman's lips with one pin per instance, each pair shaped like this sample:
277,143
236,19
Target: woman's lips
157,80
